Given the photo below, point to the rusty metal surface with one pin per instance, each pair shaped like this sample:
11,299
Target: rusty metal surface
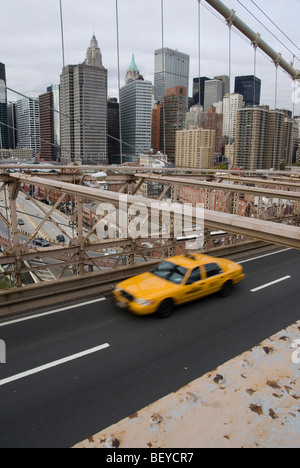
251,401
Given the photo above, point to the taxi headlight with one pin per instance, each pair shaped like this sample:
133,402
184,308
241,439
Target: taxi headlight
142,302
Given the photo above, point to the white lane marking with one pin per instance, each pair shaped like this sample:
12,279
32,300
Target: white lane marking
50,365
264,256
270,284
31,317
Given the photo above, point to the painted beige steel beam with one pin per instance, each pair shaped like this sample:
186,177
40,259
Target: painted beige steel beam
226,187
267,231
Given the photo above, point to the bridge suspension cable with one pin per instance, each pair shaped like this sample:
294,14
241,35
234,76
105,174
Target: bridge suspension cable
254,37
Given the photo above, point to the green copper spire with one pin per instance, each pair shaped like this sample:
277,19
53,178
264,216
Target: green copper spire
133,67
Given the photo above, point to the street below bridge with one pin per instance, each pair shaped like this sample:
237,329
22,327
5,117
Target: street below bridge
72,372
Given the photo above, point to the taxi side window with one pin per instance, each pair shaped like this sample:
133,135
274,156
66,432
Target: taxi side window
195,276
212,269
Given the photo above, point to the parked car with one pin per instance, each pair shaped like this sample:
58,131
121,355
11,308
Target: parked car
60,238
176,281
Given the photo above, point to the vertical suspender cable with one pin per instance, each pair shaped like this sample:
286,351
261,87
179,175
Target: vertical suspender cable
62,33
199,72
255,64
119,81
164,72
230,34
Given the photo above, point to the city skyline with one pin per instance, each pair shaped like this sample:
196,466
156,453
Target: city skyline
35,62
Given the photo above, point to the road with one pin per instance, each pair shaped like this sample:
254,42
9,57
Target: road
72,373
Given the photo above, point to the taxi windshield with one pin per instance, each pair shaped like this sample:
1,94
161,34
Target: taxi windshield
170,272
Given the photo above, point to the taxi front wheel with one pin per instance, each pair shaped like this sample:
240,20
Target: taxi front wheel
166,308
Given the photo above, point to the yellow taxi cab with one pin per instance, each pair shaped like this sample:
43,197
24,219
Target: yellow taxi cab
176,281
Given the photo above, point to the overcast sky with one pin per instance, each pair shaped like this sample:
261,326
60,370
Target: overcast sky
30,40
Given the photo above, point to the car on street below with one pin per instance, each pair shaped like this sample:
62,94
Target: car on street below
176,281
39,242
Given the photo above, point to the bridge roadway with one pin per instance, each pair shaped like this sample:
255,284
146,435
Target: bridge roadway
117,363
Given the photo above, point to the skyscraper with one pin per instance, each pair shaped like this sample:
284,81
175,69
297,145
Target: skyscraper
250,88
171,69
173,119
3,108
231,104
133,72
136,116
203,79
213,93
28,124
84,109
50,124
261,138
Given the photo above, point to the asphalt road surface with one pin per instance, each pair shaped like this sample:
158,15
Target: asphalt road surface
72,373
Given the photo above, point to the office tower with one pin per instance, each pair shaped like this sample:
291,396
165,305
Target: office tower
171,69
226,83
28,124
195,148
250,88
213,93
113,130
133,72
50,124
173,119
156,127
12,122
136,118
83,103
203,79
231,104
3,109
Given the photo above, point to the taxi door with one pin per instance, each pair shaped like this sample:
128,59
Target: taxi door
194,286
213,278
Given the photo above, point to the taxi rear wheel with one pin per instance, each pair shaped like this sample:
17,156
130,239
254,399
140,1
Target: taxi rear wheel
226,289
165,309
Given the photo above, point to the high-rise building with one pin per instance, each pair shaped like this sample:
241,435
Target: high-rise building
133,72
12,122
3,109
195,148
28,124
203,79
251,137
250,88
231,104
211,120
263,138
83,103
172,68
113,130
156,127
173,119
213,93
50,124
226,83
136,117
